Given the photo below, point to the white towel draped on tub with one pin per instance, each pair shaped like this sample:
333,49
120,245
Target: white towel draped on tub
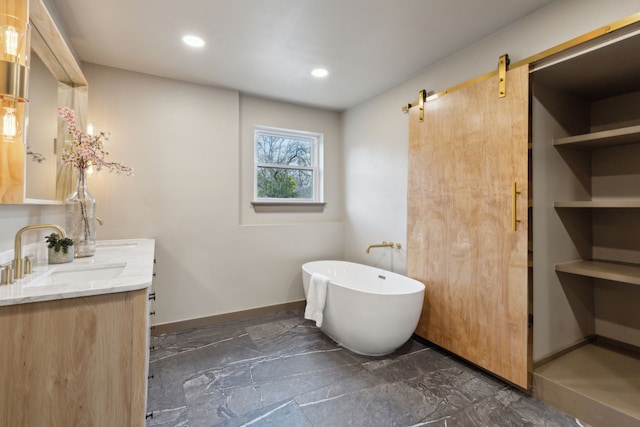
316,297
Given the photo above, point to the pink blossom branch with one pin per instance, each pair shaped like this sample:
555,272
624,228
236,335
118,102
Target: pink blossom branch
83,150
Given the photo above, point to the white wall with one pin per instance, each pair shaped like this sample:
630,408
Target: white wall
184,141
375,157
14,217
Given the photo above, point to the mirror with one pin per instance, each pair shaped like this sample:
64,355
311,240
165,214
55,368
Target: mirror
42,124
55,79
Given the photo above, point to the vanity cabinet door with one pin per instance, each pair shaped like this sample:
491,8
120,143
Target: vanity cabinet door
468,160
75,362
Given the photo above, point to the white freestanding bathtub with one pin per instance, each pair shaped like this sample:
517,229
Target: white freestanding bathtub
368,310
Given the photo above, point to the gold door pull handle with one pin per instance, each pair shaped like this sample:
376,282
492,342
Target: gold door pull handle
514,207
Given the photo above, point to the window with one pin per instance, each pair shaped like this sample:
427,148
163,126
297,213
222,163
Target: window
288,166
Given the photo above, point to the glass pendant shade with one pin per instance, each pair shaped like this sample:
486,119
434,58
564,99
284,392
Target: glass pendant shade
14,32
11,40
11,120
10,125
14,49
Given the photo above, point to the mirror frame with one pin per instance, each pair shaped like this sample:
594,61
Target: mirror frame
49,44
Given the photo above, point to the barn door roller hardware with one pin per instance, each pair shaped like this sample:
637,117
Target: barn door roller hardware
422,98
503,65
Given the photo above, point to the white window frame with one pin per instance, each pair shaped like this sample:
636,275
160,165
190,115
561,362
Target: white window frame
317,141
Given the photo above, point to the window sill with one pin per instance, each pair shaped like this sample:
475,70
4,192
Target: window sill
288,206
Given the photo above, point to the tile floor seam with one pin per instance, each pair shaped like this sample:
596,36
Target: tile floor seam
426,423
269,413
191,350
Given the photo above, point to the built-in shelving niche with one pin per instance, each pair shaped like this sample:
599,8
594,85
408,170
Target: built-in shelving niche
614,170
586,220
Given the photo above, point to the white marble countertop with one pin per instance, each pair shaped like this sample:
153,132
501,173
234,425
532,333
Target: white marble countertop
130,259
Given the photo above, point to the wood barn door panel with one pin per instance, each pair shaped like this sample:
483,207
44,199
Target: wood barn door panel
463,161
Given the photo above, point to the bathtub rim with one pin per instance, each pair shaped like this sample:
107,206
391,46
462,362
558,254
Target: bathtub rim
419,286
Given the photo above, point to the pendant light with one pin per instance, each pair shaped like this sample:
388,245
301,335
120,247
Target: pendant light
14,68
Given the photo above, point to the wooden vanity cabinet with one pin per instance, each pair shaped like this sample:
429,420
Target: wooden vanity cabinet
75,361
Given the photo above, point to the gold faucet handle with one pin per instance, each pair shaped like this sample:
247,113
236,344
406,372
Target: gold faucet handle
28,266
7,275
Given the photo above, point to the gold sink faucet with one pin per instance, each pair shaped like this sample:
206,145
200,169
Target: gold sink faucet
18,270
385,245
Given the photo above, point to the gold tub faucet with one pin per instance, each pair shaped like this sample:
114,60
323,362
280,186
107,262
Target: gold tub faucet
385,245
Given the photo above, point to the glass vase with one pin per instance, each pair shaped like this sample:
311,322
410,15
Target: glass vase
81,218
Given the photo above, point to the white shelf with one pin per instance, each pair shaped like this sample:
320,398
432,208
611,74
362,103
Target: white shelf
605,203
607,138
616,271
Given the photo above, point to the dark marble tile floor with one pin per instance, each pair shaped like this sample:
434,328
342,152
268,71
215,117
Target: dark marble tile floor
280,370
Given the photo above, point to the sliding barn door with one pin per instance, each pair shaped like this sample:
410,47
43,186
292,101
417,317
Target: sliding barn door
464,160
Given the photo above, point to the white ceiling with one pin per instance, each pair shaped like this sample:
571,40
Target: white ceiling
268,47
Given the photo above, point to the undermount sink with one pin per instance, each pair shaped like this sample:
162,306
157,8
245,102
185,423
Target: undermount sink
81,275
116,244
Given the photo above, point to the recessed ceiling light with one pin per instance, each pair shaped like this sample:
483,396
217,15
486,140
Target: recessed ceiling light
319,72
193,41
